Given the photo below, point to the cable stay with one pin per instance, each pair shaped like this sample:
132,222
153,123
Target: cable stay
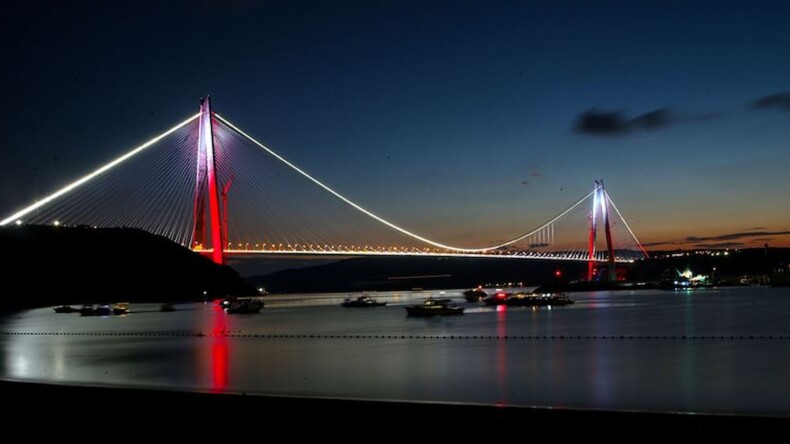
275,207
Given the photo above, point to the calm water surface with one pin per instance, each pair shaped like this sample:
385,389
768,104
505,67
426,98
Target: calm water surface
386,355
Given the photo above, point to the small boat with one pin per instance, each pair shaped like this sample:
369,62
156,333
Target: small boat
684,285
88,310
167,308
362,302
244,306
227,301
497,298
65,309
475,294
121,308
103,310
432,307
538,300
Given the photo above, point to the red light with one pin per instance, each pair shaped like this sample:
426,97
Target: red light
219,365
557,273
219,351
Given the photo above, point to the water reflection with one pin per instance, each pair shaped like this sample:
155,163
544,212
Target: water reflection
501,332
382,354
601,356
219,349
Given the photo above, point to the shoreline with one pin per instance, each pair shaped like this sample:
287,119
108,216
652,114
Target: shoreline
94,400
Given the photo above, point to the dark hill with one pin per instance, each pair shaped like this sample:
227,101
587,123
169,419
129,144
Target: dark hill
46,265
724,266
402,273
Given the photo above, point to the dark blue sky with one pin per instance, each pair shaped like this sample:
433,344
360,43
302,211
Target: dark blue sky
431,111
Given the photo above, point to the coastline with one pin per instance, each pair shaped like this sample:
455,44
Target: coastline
94,402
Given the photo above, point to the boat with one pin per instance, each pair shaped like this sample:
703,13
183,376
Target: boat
432,307
497,298
227,301
684,285
538,300
121,308
244,306
364,301
686,280
65,309
103,310
475,294
88,310
167,307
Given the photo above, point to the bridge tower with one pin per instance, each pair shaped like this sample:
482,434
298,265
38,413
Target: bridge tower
600,202
206,182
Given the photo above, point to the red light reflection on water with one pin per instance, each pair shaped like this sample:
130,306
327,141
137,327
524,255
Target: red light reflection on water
219,351
501,332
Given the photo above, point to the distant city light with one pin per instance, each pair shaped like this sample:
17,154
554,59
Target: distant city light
19,222
56,223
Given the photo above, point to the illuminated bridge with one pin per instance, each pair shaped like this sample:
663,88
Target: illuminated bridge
208,185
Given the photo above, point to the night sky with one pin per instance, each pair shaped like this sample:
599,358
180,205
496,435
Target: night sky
454,119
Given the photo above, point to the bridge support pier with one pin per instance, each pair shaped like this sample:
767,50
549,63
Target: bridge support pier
206,182
600,202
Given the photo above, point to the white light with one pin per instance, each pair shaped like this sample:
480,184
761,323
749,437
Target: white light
18,222
90,176
56,223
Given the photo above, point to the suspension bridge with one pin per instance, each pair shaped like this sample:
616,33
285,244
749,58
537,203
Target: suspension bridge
209,186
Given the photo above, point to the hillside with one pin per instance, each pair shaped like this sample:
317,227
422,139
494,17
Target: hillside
46,265
405,273
399,273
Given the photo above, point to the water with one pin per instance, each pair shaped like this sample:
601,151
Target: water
379,353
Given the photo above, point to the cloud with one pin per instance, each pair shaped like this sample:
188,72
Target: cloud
735,236
729,240
615,123
601,123
660,243
717,245
778,101
652,120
